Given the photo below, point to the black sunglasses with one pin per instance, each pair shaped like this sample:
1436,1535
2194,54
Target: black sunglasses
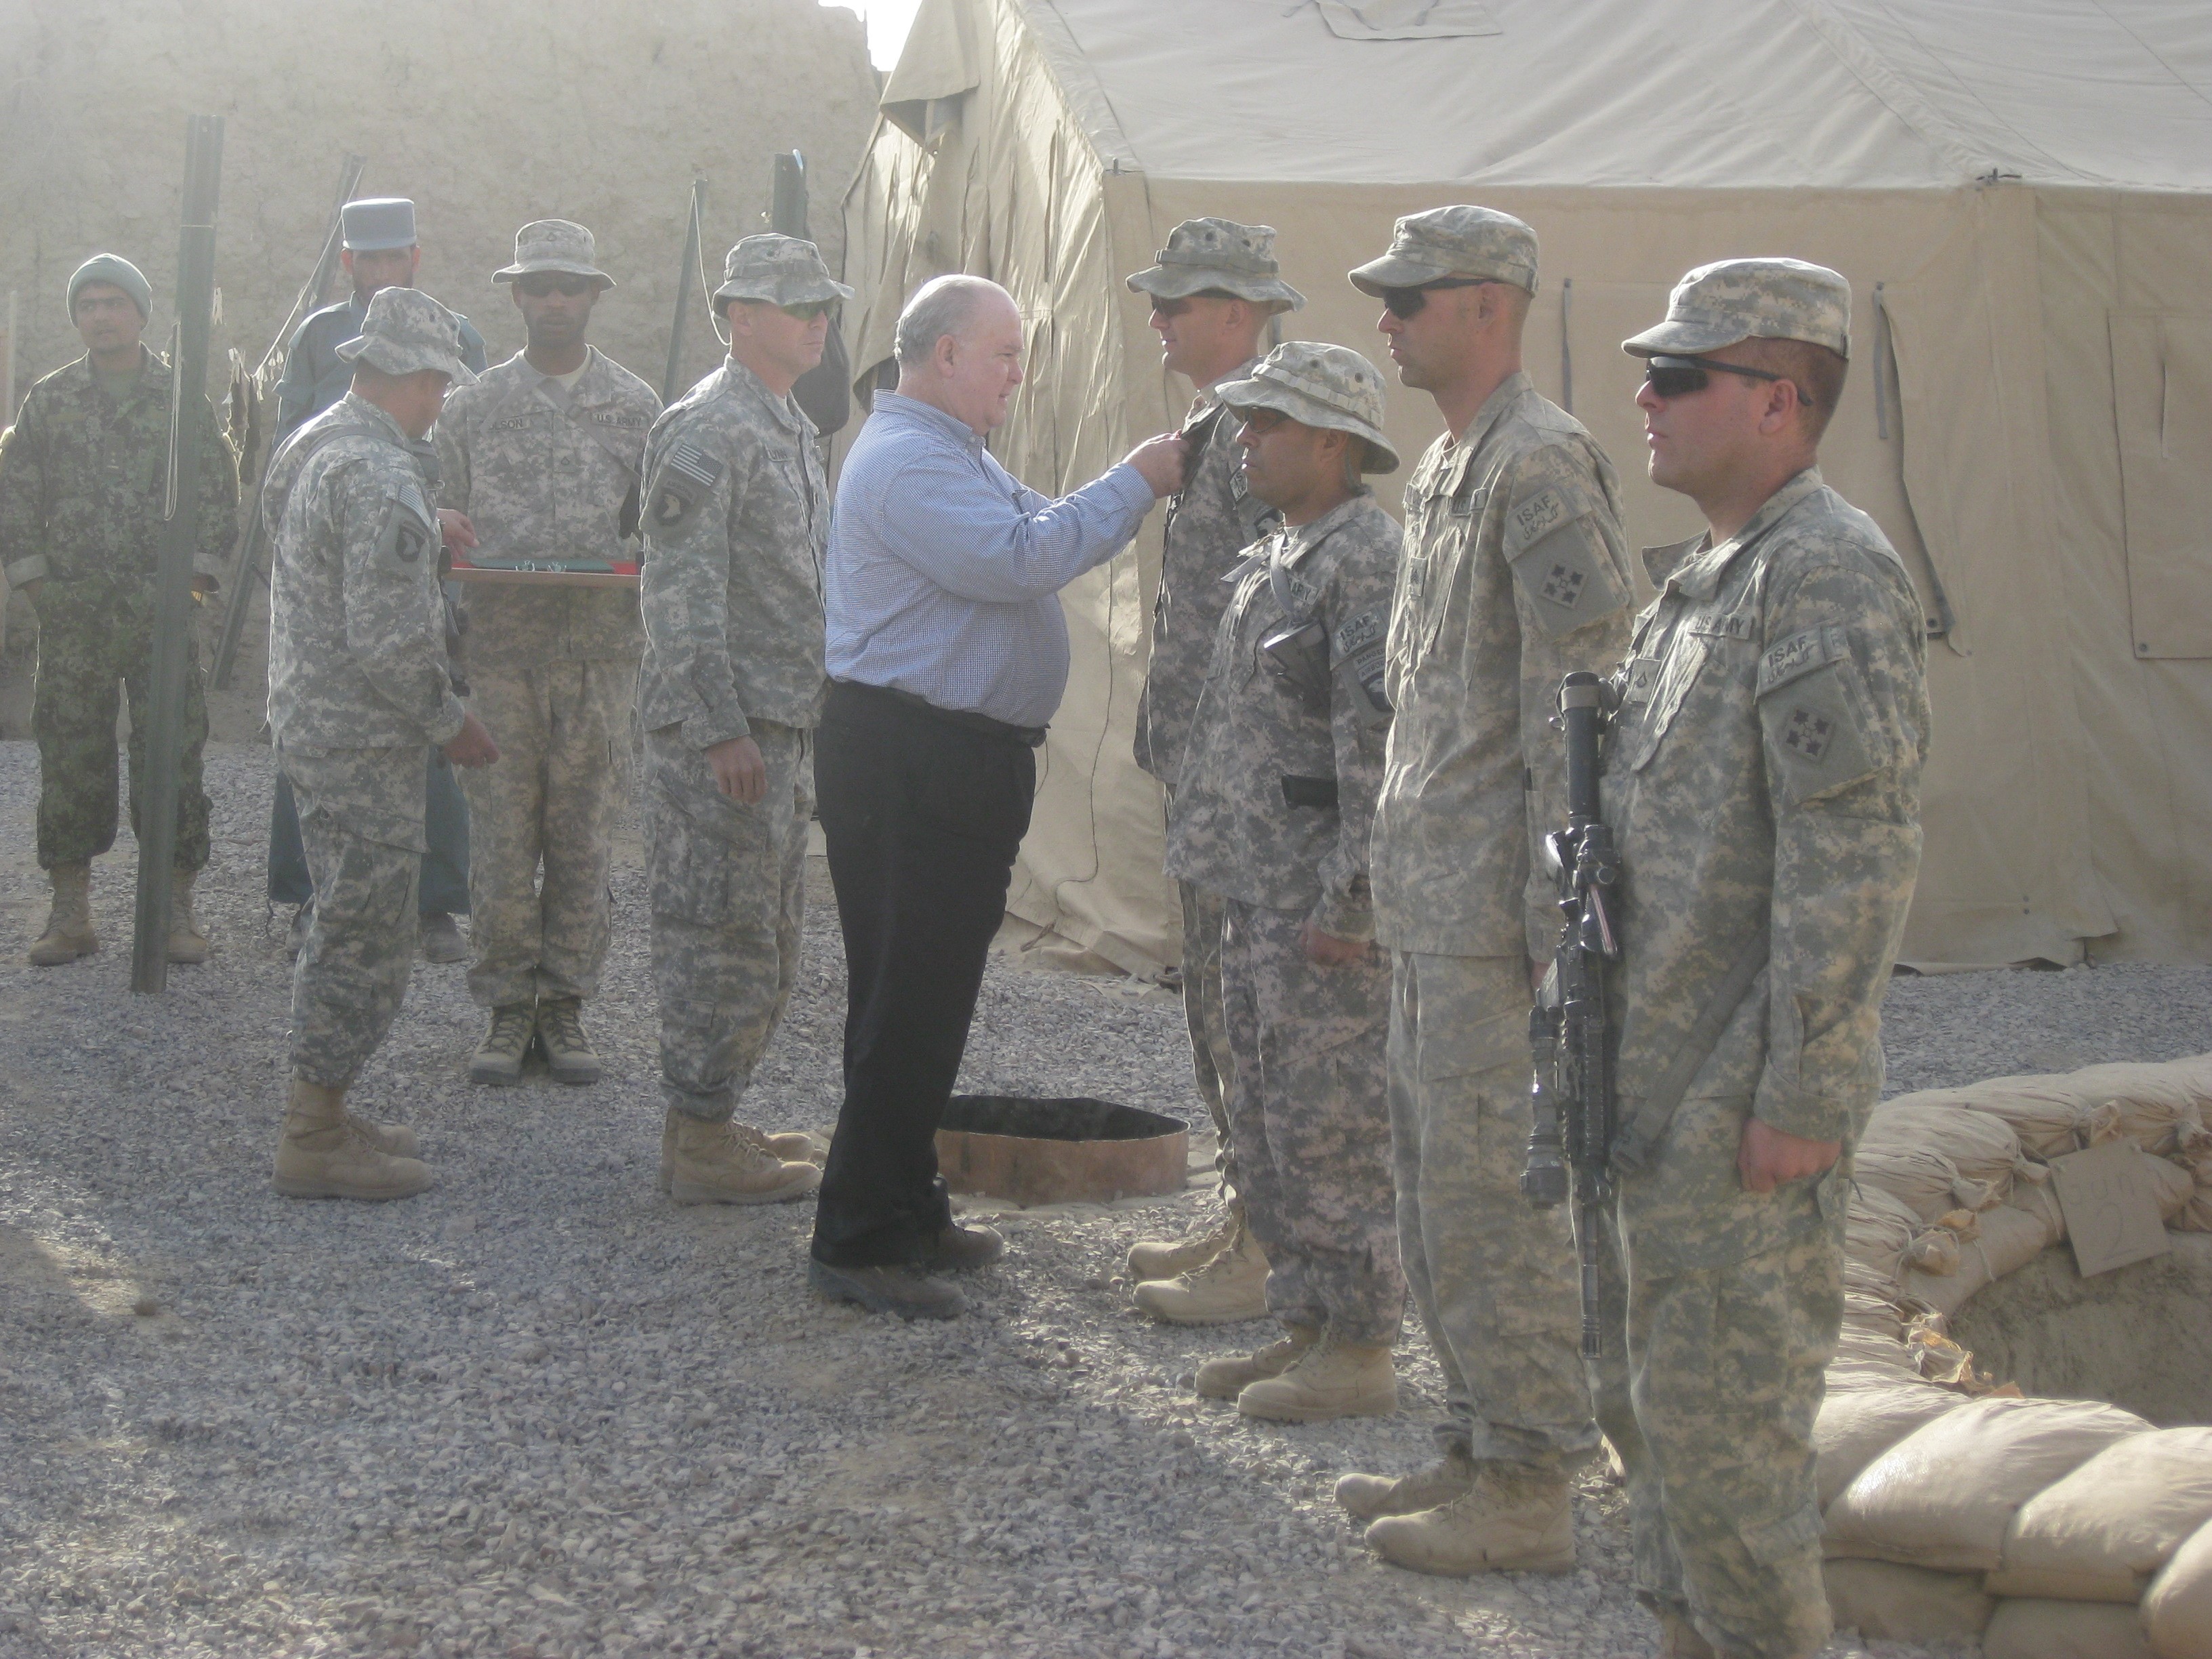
1404,302
539,284
807,310
1678,377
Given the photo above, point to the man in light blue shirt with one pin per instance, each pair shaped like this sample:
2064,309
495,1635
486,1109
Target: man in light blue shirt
948,655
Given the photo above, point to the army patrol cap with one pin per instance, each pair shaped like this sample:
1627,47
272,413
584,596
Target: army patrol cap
1474,244
377,222
406,331
1719,304
1205,255
1331,387
783,271
555,245
117,273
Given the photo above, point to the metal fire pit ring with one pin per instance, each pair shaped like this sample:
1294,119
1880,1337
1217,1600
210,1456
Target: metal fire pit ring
1059,1152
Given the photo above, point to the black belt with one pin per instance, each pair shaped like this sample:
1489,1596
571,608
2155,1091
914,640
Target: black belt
1029,735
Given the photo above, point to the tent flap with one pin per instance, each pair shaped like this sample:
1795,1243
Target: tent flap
2162,393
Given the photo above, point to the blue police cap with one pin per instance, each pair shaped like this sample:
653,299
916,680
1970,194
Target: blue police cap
378,222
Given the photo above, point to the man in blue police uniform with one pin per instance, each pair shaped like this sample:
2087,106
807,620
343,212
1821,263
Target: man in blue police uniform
379,251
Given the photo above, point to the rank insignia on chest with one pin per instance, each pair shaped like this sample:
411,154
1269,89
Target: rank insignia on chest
1807,734
1564,586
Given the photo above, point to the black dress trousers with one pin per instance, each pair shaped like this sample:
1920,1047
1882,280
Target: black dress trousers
923,812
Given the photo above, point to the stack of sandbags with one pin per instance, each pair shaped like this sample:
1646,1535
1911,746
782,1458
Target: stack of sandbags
2177,1609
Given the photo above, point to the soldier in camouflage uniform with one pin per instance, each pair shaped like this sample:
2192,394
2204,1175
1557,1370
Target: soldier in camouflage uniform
359,691
1213,289
543,454
736,517
82,477
1762,778
1515,572
1272,806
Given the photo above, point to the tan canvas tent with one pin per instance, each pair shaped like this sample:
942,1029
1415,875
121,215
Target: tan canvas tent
2020,194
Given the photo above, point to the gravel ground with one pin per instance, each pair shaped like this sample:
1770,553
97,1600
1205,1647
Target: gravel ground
539,1411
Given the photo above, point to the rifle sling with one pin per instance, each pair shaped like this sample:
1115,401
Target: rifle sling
1639,1138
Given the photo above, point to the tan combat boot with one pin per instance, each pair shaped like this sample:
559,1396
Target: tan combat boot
1230,1288
68,932
1369,1495
1512,1519
1334,1378
1164,1258
796,1147
567,1051
1225,1379
498,1058
320,1154
730,1163
187,939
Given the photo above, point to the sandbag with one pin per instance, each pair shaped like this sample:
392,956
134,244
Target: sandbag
2044,1112
2042,1203
1879,1227
2006,1239
2102,1533
2177,1187
1885,1602
2030,1629
2196,1216
1981,1145
1922,1176
1858,1425
2159,1126
2177,1609
1943,1497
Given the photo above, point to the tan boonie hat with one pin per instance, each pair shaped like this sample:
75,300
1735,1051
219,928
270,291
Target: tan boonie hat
780,269
1733,300
555,245
1219,254
1474,244
406,331
1331,387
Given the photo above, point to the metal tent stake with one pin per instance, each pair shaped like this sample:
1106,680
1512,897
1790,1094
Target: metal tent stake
188,421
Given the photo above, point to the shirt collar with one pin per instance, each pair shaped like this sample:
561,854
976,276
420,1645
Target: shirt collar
1698,576
363,409
1298,540
929,415
1470,443
748,386
151,369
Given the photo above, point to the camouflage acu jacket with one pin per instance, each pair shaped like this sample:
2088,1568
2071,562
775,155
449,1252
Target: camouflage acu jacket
1211,522
82,477
1277,788
736,517
1515,572
547,474
356,626
1763,782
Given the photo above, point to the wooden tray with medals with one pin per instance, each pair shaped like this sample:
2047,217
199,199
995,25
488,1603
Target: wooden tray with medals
549,573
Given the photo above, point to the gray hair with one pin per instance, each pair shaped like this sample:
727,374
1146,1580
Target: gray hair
941,306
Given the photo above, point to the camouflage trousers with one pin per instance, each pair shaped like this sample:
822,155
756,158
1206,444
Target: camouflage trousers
1494,1281
728,886
1305,1102
1710,1404
361,821
92,636
547,803
1201,1011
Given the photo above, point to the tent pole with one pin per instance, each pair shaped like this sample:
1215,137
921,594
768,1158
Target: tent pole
189,416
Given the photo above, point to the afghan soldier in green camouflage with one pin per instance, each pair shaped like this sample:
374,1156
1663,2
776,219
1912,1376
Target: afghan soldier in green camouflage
1270,819
1515,572
83,476
542,455
1213,289
359,688
736,520
1762,779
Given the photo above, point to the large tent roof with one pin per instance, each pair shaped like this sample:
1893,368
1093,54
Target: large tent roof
1685,93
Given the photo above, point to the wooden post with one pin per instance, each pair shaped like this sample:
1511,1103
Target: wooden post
188,416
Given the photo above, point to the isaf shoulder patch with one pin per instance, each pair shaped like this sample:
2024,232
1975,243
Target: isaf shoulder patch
687,474
1531,521
1798,656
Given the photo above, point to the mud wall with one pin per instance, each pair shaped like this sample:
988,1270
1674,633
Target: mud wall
488,113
